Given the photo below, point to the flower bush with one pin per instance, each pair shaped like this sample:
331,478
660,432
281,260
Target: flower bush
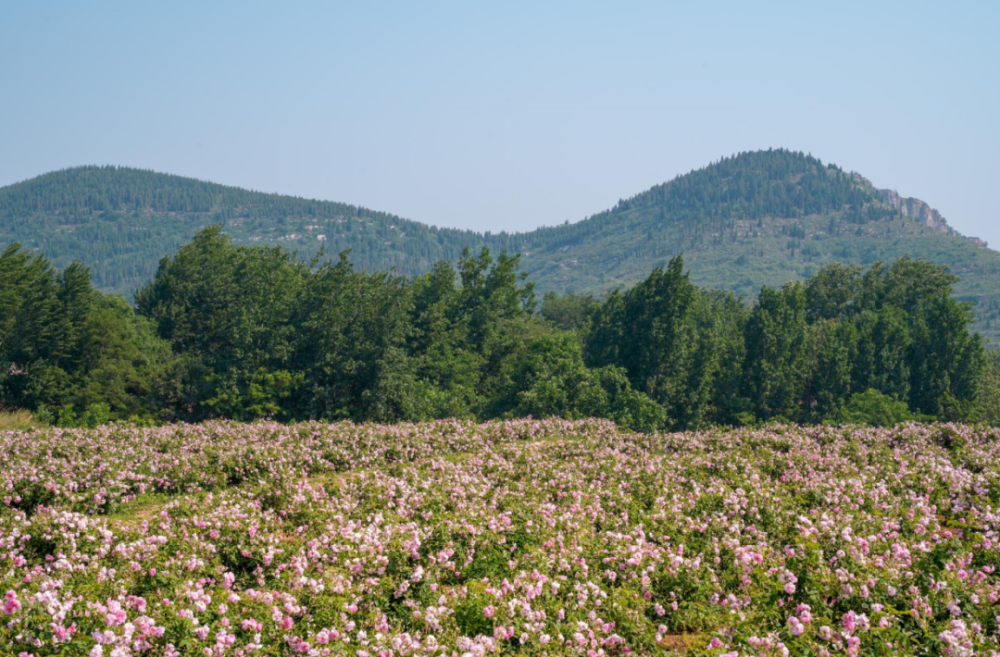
521,537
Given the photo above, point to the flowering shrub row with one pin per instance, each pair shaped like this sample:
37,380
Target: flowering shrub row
523,537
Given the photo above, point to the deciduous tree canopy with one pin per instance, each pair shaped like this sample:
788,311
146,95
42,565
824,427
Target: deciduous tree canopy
247,332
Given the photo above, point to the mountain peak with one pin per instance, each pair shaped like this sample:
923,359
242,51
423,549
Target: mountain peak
915,209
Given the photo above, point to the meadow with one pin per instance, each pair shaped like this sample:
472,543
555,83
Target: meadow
520,537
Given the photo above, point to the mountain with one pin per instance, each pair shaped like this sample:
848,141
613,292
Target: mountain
121,221
756,218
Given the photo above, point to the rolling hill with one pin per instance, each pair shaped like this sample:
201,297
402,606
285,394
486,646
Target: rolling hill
756,218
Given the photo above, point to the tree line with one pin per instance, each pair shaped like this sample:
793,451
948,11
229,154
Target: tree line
122,220
248,332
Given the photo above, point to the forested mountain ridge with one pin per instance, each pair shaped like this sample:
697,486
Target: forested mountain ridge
121,221
764,217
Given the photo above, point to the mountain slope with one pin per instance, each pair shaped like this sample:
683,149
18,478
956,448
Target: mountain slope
121,221
757,218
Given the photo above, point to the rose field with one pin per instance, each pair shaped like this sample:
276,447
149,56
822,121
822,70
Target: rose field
523,537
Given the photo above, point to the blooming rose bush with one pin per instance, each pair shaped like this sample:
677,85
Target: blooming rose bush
521,537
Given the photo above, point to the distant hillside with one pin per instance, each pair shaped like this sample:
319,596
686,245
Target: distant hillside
121,221
757,218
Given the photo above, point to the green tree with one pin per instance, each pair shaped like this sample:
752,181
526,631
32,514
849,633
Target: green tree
230,309
776,352
568,312
872,408
67,349
832,292
835,347
551,379
670,338
883,357
351,346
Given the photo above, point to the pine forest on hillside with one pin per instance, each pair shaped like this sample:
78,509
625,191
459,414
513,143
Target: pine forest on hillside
759,218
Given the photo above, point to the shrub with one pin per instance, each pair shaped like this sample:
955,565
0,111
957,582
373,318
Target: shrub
872,408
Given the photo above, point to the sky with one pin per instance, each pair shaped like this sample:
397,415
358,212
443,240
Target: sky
505,115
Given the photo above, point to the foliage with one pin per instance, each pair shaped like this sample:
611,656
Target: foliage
776,351
801,351
872,408
513,537
753,219
568,312
985,407
671,340
551,380
65,346
252,332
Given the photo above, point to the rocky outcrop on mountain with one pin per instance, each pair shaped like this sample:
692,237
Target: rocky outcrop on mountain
916,209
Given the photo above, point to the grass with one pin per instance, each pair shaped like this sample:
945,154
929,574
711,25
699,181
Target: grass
20,420
144,507
681,644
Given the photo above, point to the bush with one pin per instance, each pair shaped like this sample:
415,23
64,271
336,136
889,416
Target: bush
872,408
551,380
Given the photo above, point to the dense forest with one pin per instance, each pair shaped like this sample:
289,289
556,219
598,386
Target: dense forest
754,219
245,332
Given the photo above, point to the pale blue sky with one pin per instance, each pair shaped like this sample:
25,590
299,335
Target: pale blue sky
505,115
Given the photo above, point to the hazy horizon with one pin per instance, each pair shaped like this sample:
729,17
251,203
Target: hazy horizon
505,118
